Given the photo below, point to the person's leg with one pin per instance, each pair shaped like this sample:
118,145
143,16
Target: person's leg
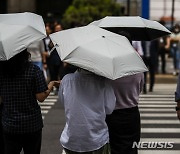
175,59
145,83
1,137
173,56
152,68
124,130
32,142
145,75
12,143
1,143
163,62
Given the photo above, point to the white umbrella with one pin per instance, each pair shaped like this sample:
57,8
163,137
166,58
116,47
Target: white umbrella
138,27
18,31
99,51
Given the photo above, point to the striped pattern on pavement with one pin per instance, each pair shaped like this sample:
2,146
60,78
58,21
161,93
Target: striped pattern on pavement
159,123
47,104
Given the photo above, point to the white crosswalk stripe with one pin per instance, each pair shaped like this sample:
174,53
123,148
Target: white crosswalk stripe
47,104
159,123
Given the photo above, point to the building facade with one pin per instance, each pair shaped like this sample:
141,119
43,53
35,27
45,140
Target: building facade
46,8
157,8
163,8
21,6
134,5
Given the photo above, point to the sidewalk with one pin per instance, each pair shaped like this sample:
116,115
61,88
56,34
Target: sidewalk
165,78
168,77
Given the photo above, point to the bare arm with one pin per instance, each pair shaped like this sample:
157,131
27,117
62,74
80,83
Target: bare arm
167,46
43,95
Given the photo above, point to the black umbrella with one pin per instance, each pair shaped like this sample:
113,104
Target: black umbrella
139,28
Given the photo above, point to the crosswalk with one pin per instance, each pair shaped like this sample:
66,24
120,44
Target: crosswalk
160,128
159,123
48,104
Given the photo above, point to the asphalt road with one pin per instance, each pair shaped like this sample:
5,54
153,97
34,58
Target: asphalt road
153,127
53,125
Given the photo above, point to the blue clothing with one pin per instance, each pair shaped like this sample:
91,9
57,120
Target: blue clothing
87,98
39,64
176,57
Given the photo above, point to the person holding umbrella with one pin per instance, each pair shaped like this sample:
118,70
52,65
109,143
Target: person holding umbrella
1,131
22,84
91,98
124,122
87,97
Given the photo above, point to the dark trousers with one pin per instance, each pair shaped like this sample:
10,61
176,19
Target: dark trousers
103,150
54,72
30,143
152,69
1,138
162,54
124,130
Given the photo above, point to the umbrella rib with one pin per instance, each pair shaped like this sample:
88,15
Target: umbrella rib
2,49
86,66
113,68
116,42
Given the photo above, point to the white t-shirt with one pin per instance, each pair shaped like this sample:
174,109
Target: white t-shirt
36,49
87,98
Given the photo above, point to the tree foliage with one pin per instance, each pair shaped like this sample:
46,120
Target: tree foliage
82,12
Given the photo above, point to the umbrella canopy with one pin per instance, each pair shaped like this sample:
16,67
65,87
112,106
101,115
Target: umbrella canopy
97,50
18,31
139,28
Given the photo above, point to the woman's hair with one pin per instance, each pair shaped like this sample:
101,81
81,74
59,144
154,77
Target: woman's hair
15,65
162,22
176,28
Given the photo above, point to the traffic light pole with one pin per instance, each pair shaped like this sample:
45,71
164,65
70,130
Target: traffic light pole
172,13
145,9
128,7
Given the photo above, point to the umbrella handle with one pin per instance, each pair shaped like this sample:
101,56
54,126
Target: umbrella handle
53,49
